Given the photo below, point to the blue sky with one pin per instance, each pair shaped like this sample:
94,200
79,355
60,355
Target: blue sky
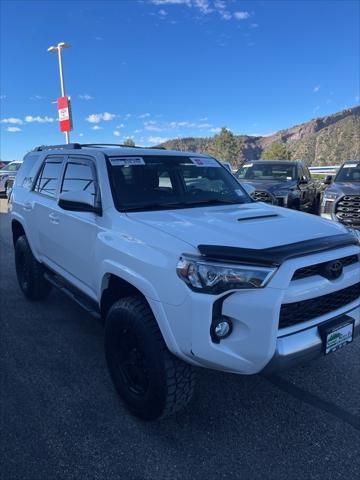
159,69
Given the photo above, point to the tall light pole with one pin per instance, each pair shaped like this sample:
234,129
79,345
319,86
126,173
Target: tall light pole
58,50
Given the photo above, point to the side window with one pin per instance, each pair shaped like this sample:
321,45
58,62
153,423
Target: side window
79,176
26,174
48,179
308,174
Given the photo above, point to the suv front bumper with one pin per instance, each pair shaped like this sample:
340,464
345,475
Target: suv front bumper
302,347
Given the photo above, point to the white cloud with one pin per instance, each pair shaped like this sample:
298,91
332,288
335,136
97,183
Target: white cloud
220,7
316,88
98,117
37,97
38,119
81,134
152,126
116,133
215,130
12,120
85,96
357,98
204,125
97,127
2,97
241,15
156,140
203,7
315,109
254,25
144,115
120,126
13,129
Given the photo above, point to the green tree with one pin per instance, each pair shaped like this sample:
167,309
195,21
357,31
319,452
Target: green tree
276,151
225,147
129,142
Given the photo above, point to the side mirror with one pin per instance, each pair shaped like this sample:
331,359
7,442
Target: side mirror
303,180
78,201
328,180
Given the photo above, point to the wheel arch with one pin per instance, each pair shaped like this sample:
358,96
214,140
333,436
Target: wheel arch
17,230
114,287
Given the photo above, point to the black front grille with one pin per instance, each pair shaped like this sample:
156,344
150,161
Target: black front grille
298,312
262,196
318,268
347,210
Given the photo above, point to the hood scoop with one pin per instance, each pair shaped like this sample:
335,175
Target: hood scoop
255,217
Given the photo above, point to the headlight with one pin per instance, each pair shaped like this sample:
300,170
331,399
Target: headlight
329,196
215,278
281,193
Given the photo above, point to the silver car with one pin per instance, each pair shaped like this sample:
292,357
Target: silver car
7,175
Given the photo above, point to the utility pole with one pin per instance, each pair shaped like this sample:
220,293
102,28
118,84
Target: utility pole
64,113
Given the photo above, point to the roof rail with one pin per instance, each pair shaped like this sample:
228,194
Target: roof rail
52,147
122,145
99,145
77,146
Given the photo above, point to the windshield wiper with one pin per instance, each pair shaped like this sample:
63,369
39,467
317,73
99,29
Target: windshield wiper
214,201
176,205
151,206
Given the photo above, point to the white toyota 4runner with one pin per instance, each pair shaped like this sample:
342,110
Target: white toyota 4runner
182,266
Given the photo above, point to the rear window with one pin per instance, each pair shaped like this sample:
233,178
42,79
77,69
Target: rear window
48,180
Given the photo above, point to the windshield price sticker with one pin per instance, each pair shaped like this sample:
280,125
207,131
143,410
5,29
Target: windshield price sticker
350,165
247,165
127,161
205,162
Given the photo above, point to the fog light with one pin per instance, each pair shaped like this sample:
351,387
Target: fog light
223,329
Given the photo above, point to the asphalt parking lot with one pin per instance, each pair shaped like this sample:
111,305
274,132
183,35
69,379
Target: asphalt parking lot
61,419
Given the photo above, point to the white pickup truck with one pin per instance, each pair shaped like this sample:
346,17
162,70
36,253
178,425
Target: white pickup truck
184,268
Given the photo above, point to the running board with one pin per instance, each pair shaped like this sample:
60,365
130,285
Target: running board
80,298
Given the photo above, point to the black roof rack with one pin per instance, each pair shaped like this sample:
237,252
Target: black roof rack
52,147
81,145
122,145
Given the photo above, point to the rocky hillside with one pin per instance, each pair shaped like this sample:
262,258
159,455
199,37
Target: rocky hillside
327,140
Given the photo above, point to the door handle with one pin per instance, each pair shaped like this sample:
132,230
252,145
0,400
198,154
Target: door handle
54,218
27,207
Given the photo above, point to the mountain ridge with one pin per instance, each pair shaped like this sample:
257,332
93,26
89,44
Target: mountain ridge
327,140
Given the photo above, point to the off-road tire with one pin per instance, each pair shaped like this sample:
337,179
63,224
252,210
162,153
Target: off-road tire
30,273
167,383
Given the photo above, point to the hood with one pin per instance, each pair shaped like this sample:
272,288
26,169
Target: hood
270,186
344,188
251,225
8,172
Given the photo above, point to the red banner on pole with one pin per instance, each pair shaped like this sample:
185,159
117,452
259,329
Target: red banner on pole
64,109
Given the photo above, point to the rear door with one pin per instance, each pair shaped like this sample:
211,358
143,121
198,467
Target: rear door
45,208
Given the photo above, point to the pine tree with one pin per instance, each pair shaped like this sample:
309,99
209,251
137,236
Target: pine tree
226,148
276,151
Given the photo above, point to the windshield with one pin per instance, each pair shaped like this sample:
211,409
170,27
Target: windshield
349,173
266,171
168,182
11,167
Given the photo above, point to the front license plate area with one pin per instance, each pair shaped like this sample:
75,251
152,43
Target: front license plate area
337,334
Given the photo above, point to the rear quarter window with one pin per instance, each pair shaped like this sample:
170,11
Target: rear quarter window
26,174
